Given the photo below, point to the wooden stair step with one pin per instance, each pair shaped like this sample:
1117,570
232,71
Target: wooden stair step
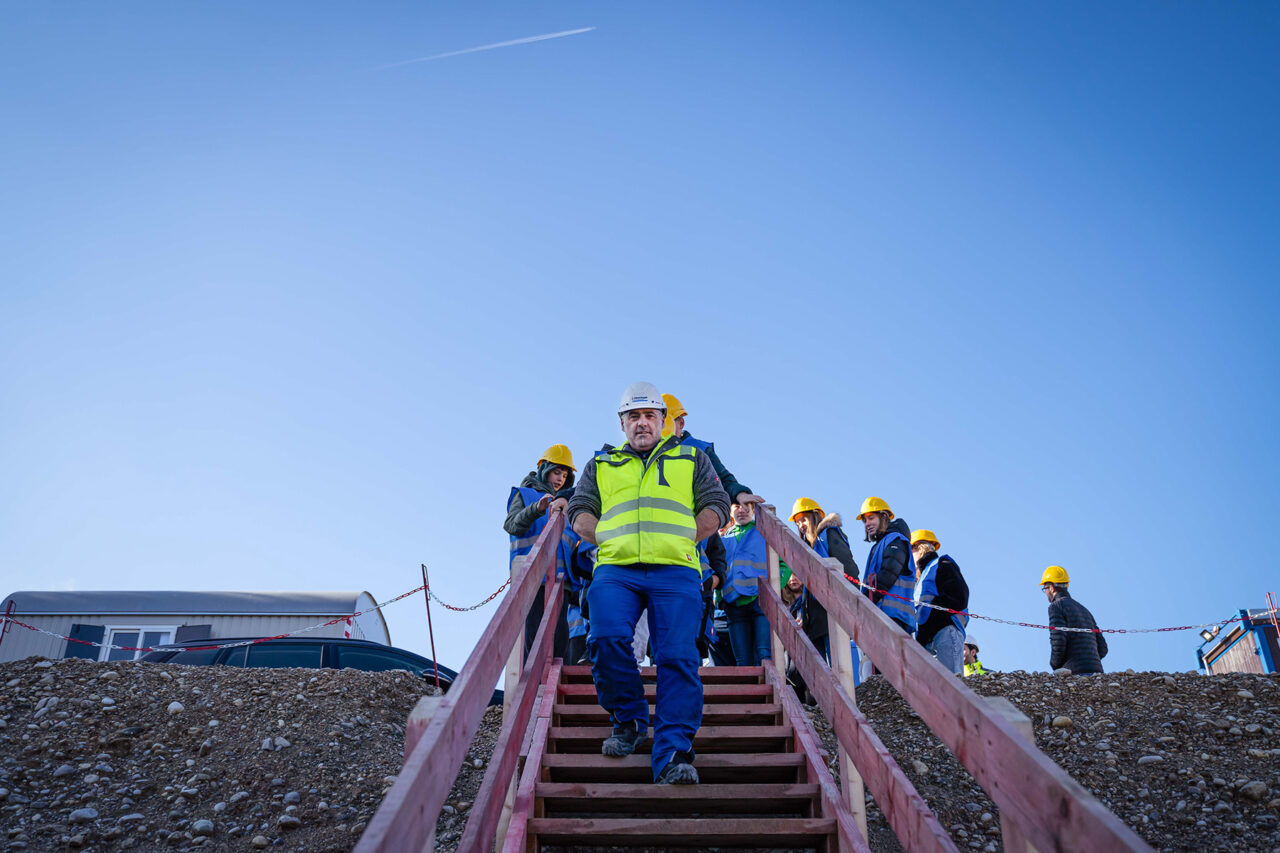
728,713
694,832
720,768
708,674
708,739
711,693
653,800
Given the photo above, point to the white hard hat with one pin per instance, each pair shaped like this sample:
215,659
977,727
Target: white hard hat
641,395
970,640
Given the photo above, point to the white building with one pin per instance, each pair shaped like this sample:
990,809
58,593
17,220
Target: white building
143,618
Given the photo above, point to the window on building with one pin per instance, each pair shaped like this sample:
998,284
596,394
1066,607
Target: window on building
134,636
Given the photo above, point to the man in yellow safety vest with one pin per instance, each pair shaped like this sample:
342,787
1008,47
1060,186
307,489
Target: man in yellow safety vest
646,505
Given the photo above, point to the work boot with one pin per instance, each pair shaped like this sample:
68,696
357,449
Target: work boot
624,740
679,771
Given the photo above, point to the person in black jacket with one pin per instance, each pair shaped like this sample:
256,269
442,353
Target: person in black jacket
1079,651
940,584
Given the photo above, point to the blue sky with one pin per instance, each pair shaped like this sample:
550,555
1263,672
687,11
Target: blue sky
275,316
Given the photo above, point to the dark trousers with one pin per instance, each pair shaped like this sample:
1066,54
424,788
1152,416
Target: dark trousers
560,643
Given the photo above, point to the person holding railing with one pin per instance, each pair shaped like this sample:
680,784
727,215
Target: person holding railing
939,583
825,534
747,557
646,505
528,508
891,574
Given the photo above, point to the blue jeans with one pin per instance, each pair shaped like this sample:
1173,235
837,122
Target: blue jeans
749,633
673,596
948,647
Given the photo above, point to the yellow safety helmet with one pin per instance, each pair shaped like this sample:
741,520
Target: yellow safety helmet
558,454
1054,574
803,505
922,535
874,504
675,409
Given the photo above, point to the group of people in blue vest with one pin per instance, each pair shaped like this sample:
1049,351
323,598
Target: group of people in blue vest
661,538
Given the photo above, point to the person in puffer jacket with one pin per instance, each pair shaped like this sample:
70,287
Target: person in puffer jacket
890,581
1079,651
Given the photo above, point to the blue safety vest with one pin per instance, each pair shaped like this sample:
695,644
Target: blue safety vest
522,545
927,590
748,558
704,446
822,546
901,608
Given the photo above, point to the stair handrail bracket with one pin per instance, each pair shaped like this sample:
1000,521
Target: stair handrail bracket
407,817
1052,810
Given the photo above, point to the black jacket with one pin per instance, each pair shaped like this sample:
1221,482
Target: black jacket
1078,651
953,592
895,562
718,557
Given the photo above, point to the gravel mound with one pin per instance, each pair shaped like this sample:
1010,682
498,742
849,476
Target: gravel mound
132,756
1190,762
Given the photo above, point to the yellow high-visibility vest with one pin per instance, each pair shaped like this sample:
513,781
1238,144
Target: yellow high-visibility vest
646,509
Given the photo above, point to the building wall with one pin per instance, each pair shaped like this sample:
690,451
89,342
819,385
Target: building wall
20,642
1240,656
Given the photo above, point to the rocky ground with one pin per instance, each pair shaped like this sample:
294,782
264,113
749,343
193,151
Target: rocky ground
1191,763
127,756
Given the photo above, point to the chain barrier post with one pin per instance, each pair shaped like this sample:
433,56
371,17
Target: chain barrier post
426,594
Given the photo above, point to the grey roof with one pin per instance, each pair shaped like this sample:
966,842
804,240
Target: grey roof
184,603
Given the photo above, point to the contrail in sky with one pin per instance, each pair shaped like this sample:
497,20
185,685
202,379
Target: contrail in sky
488,47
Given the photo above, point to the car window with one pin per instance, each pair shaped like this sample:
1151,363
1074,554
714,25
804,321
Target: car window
235,657
375,660
195,657
286,654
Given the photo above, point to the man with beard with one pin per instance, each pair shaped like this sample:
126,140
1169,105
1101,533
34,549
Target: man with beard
646,505
891,573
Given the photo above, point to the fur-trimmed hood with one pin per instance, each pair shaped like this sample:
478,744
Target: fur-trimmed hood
832,520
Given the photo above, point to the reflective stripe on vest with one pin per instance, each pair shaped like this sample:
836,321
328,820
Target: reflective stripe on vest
902,607
646,509
748,557
927,589
577,622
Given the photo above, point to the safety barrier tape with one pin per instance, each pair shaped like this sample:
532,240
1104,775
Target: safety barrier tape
258,640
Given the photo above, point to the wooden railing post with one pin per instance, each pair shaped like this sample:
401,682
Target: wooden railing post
509,682
1014,840
850,778
775,583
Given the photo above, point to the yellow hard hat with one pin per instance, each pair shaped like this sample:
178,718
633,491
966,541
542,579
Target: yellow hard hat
1054,574
558,454
675,409
922,535
874,504
804,505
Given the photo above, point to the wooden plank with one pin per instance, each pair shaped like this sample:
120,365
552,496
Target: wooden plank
647,799
844,666
849,835
708,739
708,674
482,820
913,822
775,583
737,693
517,838
409,810
1013,839
712,715
712,769
419,719
1055,811
691,832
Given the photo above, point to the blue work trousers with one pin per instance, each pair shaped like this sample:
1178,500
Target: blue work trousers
673,596
749,633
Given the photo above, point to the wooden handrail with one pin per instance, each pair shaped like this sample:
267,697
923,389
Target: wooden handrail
408,813
915,824
1050,808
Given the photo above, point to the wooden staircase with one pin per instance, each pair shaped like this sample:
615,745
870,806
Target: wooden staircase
762,775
